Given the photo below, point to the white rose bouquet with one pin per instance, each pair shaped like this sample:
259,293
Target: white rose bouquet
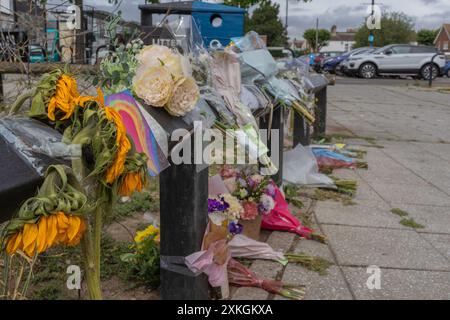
161,82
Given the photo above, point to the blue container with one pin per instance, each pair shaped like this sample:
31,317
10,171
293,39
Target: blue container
218,23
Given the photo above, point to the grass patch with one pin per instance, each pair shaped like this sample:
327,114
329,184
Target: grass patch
325,194
399,212
49,281
410,223
291,195
139,202
316,264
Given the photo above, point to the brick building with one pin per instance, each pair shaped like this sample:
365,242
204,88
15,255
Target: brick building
442,41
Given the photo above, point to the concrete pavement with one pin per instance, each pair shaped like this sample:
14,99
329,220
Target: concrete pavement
406,133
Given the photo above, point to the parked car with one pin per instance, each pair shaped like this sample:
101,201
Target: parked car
398,59
332,64
319,58
446,69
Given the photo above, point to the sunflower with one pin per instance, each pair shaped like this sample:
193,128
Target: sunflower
67,98
64,99
130,183
54,229
123,146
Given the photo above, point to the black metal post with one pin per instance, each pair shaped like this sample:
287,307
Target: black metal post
183,215
430,79
321,113
301,131
277,124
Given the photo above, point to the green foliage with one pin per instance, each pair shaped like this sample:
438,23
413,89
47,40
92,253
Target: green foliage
143,263
396,27
411,223
426,36
316,264
310,36
399,212
140,202
117,70
265,21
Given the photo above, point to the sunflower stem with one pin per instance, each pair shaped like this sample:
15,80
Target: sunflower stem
20,101
93,281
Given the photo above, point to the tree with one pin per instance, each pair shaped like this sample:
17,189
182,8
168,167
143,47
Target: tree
396,27
426,36
323,36
265,21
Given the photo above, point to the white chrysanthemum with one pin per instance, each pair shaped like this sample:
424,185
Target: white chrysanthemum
153,84
155,55
184,97
235,209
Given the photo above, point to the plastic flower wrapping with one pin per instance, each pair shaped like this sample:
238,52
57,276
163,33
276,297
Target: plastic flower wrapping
162,81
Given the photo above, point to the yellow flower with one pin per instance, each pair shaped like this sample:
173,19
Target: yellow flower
131,182
64,99
67,98
149,231
123,146
48,231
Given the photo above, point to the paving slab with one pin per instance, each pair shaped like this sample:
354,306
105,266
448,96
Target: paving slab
365,192
441,242
361,246
281,241
433,218
400,284
327,287
315,249
249,293
357,215
413,194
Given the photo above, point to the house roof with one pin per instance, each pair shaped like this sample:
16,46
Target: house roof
445,28
343,36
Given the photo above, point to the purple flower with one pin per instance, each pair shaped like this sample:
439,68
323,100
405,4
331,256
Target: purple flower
217,205
271,191
235,228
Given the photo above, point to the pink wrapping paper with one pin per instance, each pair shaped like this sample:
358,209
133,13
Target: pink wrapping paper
203,261
281,219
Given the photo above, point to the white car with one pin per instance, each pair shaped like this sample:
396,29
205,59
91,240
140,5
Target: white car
397,59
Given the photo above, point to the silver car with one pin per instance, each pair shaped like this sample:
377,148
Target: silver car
397,59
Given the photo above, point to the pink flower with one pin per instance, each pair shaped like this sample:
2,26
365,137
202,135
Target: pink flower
227,172
250,210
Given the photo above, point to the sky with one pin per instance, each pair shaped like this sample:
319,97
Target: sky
343,13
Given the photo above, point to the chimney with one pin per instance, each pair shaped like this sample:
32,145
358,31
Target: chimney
333,30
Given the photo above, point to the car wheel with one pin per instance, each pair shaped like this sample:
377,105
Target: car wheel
448,73
368,70
429,69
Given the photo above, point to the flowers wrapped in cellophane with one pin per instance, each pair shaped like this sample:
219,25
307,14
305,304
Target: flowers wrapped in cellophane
163,79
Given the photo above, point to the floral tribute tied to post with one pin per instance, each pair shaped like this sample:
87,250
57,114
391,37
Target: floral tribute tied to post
72,202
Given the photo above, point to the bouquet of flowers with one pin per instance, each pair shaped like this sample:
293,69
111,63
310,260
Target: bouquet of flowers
251,190
162,79
225,210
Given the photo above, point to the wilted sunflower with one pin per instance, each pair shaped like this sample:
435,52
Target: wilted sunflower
59,228
123,146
